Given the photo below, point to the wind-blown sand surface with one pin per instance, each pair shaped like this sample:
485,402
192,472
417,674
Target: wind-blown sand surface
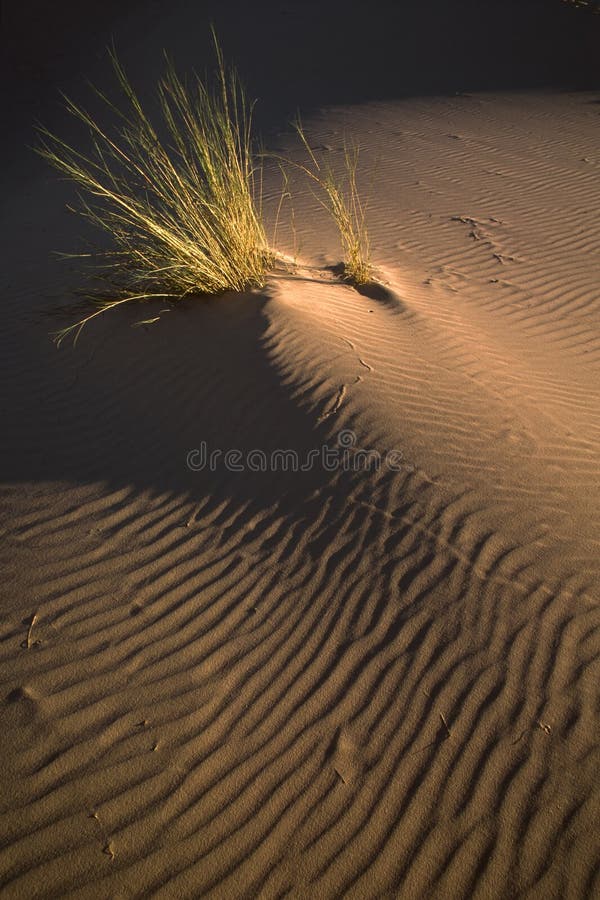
368,683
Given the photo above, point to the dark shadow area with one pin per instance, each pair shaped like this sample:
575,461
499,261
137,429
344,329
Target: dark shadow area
381,294
129,402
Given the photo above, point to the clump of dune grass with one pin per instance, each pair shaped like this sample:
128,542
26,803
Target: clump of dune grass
182,206
341,199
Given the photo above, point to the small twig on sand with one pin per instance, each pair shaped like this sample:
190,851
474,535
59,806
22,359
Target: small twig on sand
445,724
27,642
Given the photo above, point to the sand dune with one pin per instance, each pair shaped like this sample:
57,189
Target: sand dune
370,683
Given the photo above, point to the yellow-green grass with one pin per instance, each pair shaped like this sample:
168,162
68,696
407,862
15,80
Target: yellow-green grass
183,208
342,201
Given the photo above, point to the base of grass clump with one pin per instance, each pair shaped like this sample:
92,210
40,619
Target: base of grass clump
181,201
373,288
359,276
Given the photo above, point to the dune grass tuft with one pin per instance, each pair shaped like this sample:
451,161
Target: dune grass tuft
343,203
183,207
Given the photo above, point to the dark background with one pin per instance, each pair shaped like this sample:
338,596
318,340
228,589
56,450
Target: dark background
298,55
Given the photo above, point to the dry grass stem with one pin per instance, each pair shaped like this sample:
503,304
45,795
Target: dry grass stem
342,201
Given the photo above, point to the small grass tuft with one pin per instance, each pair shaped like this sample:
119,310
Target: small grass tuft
183,208
343,203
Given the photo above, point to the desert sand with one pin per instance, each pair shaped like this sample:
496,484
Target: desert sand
363,681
